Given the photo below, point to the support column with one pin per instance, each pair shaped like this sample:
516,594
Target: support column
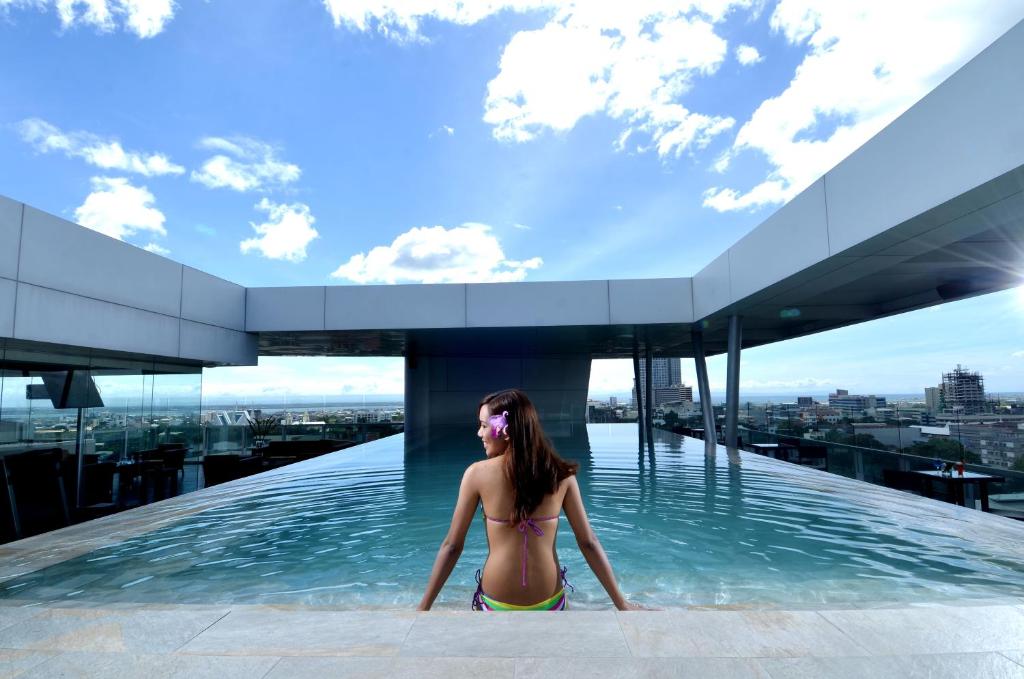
732,382
640,421
442,392
649,398
704,389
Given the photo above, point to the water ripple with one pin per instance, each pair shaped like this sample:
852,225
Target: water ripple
360,528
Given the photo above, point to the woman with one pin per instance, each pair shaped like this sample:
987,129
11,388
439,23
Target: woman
523,485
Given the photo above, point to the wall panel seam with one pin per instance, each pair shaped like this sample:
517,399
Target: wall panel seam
181,302
17,273
608,299
828,227
128,306
693,301
214,325
107,301
728,262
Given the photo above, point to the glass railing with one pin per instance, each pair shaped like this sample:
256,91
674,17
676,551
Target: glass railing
871,465
239,439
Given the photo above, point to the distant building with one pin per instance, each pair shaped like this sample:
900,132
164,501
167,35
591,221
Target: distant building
1000,444
675,393
805,401
963,392
613,401
933,400
665,372
227,418
854,405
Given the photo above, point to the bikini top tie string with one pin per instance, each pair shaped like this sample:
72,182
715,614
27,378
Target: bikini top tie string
522,528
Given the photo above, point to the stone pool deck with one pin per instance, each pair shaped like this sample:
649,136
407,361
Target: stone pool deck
277,642
47,638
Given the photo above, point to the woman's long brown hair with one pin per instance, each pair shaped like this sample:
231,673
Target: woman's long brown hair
531,463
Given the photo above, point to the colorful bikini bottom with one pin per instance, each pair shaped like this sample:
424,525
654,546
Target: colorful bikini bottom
558,602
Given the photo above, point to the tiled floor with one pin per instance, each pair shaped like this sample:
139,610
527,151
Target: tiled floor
279,642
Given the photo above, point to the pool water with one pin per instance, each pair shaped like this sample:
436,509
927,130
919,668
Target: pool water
360,529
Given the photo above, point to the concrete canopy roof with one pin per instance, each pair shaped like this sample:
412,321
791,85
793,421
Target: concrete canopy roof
928,211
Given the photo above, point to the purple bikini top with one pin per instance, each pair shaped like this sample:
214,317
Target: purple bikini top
524,527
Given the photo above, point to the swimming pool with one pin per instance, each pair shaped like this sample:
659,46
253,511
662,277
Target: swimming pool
360,528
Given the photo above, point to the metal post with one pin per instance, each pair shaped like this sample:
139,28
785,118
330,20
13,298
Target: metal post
648,397
639,397
732,382
704,390
79,454
899,432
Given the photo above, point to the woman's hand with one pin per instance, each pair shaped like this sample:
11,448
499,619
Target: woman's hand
630,606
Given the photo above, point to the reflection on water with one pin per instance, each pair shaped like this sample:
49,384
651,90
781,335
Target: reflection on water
360,528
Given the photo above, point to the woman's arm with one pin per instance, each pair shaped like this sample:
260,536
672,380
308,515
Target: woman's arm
451,548
589,545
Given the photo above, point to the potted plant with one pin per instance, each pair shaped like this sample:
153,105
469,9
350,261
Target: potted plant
261,428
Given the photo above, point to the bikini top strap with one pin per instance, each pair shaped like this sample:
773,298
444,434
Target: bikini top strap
536,518
524,527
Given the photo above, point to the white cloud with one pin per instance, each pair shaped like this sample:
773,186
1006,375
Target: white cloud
748,55
400,21
765,193
787,385
156,249
286,233
470,253
1018,354
8,5
107,154
244,165
118,209
863,68
144,18
631,61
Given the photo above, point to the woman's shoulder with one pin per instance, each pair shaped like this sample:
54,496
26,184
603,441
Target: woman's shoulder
483,467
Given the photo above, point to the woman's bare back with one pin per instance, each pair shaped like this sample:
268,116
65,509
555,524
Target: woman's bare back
502,573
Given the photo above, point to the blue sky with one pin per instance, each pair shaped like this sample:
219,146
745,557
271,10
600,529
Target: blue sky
312,143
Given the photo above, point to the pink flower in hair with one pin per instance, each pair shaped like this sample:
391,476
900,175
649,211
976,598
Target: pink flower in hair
499,425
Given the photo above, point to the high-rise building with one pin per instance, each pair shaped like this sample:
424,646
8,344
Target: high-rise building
963,392
933,400
613,401
665,372
805,401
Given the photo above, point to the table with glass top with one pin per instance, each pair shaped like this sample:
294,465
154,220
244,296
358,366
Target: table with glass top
955,485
